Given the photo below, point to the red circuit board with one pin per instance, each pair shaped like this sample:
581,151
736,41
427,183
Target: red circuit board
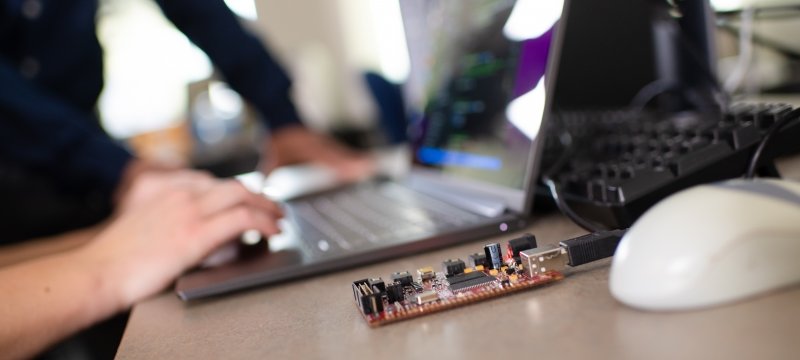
438,293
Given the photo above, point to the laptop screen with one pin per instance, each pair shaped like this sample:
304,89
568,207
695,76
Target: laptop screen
476,91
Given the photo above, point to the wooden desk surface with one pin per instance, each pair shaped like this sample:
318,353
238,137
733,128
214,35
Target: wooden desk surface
573,319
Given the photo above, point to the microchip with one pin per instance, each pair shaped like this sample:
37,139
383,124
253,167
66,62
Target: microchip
465,281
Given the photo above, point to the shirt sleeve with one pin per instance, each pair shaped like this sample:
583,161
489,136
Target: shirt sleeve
47,135
241,57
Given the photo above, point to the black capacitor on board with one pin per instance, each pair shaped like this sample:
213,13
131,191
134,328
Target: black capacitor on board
493,255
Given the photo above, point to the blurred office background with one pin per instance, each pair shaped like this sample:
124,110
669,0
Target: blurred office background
163,98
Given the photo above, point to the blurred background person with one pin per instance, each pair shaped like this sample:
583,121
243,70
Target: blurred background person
59,170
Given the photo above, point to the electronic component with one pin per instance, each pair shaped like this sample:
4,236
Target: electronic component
466,281
453,267
404,298
543,259
493,256
458,285
592,247
369,301
395,292
425,273
377,285
357,289
426,297
522,243
477,259
462,289
403,277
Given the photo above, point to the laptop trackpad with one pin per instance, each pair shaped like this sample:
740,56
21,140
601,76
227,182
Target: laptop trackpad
238,274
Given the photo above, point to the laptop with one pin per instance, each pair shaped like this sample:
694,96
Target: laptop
476,99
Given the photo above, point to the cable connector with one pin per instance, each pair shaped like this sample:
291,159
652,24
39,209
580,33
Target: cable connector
538,261
592,247
573,252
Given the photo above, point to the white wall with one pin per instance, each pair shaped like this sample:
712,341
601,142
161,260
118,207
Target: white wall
325,45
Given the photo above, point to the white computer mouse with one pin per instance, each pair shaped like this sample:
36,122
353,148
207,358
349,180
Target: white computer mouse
710,245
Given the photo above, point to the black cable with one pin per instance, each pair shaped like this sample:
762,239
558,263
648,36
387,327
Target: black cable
555,192
592,247
649,92
774,129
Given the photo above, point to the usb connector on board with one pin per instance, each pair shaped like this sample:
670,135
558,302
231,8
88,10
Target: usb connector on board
572,252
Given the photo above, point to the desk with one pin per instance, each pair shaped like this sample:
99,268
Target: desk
573,319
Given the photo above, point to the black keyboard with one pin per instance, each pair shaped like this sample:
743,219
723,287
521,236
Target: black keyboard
620,163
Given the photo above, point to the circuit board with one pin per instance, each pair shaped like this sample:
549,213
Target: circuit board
488,276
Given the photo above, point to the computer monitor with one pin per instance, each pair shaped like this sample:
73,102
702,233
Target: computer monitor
473,76
685,55
637,53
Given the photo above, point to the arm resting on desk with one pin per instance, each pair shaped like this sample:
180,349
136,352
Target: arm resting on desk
140,253
37,248
48,299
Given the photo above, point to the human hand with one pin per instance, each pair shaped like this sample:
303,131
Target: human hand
147,247
150,184
297,144
133,171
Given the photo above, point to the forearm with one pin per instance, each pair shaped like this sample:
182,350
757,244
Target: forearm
37,248
48,299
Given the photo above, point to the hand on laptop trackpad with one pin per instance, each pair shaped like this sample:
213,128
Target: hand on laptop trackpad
238,249
296,180
225,276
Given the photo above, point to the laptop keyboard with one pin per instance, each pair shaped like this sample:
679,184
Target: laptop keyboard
371,214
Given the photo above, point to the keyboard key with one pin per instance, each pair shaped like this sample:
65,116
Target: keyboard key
622,162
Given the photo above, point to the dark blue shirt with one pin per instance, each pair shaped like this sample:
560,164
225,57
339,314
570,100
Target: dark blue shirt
51,76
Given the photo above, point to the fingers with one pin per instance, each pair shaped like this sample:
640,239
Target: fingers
228,224
150,186
297,145
192,180
353,168
232,193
